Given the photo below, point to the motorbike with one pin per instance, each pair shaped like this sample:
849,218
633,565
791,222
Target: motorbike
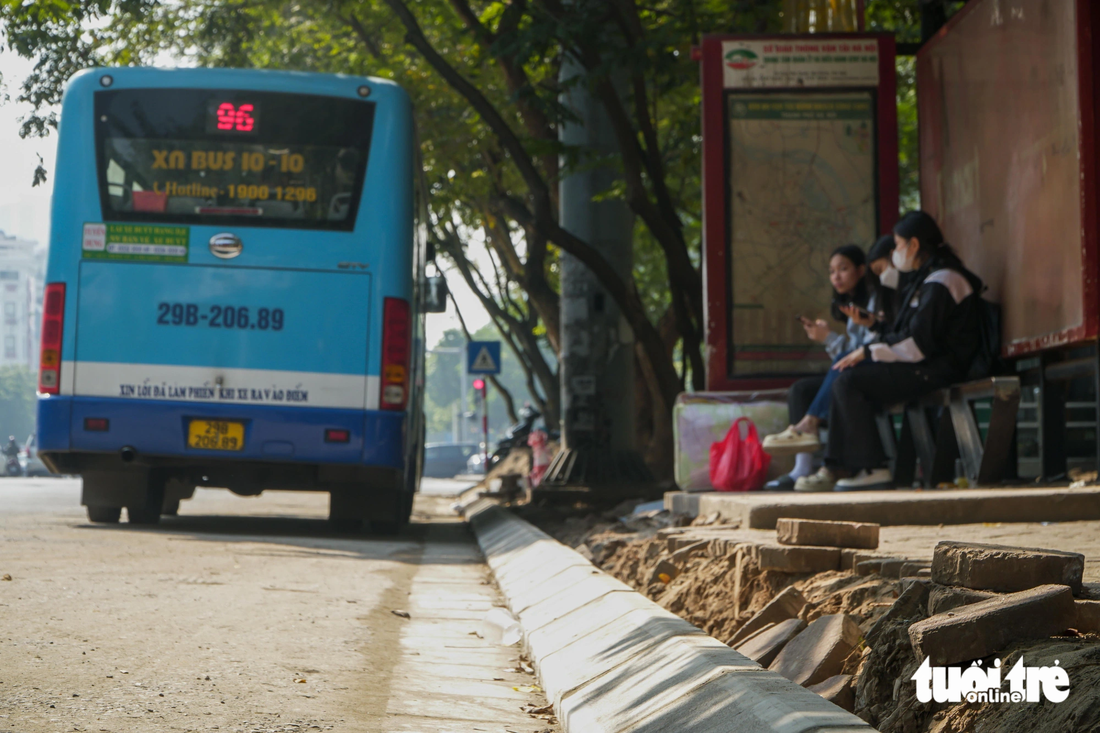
516,436
12,467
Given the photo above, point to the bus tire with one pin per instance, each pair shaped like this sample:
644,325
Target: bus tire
386,529
143,515
345,525
104,514
170,508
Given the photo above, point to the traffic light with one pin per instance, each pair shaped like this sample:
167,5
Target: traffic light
479,384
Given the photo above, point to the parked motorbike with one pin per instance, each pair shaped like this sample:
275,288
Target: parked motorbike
516,436
12,467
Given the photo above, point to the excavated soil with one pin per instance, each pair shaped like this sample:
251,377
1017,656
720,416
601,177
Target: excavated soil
720,593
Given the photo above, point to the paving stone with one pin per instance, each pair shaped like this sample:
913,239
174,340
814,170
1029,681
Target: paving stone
837,690
872,566
1088,616
849,558
819,651
827,534
764,647
1005,569
754,634
788,604
987,627
666,568
910,604
797,559
891,568
943,598
912,569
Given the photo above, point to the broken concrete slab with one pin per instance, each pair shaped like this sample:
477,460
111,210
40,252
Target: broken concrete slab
910,604
819,651
818,533
849,558
943,598
796,559
891,568
1087,616
987,627
913,568
1004,569
788,604
872,566
837,690
764,646
754,634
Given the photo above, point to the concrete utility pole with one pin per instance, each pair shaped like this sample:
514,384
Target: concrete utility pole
597,353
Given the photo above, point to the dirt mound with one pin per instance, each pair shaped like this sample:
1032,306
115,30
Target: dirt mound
718,586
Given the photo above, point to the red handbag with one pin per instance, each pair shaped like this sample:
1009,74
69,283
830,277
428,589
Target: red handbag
736,463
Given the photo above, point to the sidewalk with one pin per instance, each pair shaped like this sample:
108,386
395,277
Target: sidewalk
760,509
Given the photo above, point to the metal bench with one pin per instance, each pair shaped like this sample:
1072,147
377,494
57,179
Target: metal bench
956,435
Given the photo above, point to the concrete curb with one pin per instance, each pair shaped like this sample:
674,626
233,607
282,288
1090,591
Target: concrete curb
612,661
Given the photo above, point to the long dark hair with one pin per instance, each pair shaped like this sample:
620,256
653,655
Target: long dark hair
939,254
859,295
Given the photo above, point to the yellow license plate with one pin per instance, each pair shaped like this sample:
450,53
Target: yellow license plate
215,435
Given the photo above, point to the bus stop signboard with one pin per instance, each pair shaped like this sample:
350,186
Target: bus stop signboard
800,157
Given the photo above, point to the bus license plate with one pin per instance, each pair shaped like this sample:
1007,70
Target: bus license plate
216,435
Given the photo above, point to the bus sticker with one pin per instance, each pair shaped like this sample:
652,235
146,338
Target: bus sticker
143,242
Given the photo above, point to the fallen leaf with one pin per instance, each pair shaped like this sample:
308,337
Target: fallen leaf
664,578
300,680
528,688
538,710
402,614
5,576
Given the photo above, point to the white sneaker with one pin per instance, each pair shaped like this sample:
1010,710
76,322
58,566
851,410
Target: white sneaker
867,480
791,441
823,480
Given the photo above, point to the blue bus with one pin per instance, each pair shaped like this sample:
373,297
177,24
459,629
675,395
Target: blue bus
235,292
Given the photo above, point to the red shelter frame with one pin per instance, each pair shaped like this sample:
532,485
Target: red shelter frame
716,245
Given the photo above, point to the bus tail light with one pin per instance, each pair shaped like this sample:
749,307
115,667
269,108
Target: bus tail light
396,343
53,319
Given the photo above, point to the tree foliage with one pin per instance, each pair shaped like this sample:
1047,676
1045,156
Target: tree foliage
17,402
484,76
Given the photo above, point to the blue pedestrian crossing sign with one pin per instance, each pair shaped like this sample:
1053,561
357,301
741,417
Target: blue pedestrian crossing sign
483,357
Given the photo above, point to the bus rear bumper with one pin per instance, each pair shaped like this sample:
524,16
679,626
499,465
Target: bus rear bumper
154,433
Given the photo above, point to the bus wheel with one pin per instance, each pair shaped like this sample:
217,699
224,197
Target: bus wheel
345,525
143,515
104,514
170,508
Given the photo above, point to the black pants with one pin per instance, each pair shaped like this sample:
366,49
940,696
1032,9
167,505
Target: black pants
858,395
801,396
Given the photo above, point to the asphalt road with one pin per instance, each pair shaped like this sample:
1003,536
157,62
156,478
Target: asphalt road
248,614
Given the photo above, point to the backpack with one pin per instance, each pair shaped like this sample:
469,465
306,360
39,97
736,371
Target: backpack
987,361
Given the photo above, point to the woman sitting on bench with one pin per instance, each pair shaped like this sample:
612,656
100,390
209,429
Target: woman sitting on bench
856,296
930,345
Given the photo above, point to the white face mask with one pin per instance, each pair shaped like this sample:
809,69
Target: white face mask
901,261
890,277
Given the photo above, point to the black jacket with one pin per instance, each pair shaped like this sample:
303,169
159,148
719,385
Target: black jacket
937,323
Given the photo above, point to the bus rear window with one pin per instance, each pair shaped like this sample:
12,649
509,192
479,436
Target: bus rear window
222,157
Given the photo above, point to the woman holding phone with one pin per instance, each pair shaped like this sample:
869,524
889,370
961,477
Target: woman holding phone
855,298
930,345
